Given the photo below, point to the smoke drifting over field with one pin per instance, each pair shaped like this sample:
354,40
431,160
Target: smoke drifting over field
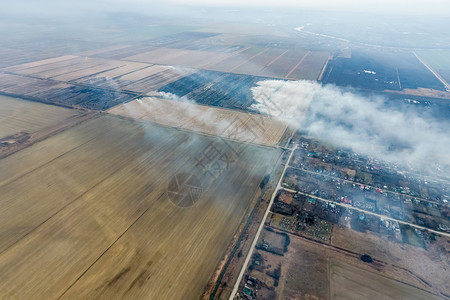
170,110
361,123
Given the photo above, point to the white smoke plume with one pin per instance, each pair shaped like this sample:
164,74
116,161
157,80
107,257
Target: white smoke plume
361,123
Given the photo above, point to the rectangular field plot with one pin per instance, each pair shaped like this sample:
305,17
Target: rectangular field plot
381,70
162,76
14,56
120,53
48,67
282,66
310,66
88,70
142,71
227,123
18,115
102,50
145,79
273,62
72,68
26,86
255,61
38,63
230,63
157,55
62,94
182,57
185,38
216,89
349,282
103,215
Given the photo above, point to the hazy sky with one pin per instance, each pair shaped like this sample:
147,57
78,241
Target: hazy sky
420,7
441,7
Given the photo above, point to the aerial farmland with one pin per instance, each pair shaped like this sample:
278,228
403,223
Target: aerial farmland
144,156
110,196
129,187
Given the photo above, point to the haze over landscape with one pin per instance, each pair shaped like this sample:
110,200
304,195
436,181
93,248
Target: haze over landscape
212,149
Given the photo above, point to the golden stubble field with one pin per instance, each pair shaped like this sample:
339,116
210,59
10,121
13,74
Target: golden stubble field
86,213
232,124
18,115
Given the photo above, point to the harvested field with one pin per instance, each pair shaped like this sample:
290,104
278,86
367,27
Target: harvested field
186,38
182,57
227,123
153,82
125,52
99,51
39,63
196,59
14,56
143,73
256,61
18,115
427,264
274,62
68,69
26,86
96,219
44,69
99,83
142,80
284,63
158,55
129,67
310,67
270,62
351,283
58,93
228,64
88,70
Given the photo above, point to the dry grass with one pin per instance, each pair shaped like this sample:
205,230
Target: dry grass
240,126
85,213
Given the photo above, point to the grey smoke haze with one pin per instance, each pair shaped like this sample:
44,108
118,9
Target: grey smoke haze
366,125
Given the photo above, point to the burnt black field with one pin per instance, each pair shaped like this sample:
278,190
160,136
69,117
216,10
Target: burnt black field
381,70
225,90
